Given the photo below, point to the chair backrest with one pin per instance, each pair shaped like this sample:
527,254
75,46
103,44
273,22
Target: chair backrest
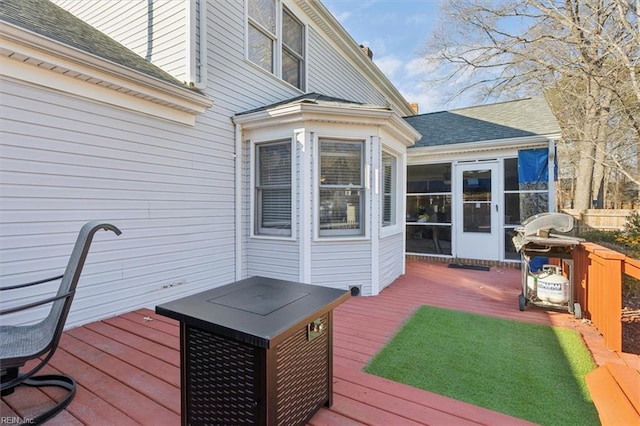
55,321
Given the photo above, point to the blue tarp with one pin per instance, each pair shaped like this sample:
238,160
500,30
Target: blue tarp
533,165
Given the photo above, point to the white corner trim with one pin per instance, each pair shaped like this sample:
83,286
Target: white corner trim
42,61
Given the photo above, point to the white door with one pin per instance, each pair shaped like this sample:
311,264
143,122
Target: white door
477,211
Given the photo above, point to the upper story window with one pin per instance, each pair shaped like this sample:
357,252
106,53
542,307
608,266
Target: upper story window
341,200
273,189
276,40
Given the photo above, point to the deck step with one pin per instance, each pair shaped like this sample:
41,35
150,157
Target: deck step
615,390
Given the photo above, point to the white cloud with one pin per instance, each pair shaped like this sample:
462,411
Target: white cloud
419,67
389,65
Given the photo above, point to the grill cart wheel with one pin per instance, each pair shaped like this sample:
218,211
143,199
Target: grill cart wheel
522,302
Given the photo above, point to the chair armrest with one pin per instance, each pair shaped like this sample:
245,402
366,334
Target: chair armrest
46,280
34,304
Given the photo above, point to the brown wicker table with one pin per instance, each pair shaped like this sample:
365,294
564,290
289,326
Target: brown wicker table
258,351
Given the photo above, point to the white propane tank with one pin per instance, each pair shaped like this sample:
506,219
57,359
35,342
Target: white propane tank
553,287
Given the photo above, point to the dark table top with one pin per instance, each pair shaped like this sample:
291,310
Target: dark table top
255,310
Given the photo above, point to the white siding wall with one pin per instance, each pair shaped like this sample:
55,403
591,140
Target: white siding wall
168,187
330,74
391,259
128,22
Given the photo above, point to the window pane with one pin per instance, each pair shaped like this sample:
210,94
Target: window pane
275,164
429,178
341,190
273,189
476,185
292,33
429,208
276,209
520,206
340,163
388,189
476,217
264,12
511,174
260,49
509,249
291,69
340,210
428,239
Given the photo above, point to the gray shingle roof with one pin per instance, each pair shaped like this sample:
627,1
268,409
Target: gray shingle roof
314,98
50,20
505,120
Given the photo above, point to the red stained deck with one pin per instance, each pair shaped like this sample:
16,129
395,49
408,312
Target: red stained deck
127,367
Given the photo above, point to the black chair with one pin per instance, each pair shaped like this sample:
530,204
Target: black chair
22,343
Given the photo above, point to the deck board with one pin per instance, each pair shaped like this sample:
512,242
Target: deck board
127,367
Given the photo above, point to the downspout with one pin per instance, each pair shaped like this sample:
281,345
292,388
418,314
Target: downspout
238,201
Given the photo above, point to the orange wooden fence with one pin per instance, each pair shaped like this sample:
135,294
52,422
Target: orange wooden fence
598,273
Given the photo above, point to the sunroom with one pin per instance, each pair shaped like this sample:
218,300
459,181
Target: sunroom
321,192
475,175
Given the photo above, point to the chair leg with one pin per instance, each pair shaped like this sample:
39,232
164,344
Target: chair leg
8,375
59,380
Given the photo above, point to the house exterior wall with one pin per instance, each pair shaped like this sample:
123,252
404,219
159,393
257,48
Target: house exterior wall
157,30
170,188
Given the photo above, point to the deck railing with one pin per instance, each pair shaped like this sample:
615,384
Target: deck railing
598,274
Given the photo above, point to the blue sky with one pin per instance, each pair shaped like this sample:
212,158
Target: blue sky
397,31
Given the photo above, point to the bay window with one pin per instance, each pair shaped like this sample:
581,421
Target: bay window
273,188
341,188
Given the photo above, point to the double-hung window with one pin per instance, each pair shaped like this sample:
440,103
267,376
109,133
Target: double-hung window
341,201
273,189
388,189
276,40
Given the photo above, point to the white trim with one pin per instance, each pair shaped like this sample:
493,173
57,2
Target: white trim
192,45
513,144
30,57
400,195
304,142
238,202
374,214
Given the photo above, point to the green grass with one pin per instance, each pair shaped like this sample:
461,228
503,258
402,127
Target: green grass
528,371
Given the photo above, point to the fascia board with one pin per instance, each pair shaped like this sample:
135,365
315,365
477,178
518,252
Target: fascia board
34,48
360,116
481,146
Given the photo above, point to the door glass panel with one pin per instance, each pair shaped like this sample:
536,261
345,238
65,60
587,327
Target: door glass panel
476,211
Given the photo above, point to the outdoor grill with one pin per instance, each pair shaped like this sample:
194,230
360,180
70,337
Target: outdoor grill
258,351
541,236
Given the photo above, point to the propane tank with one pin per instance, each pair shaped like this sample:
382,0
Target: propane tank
552,286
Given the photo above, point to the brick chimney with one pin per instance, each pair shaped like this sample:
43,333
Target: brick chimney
367,51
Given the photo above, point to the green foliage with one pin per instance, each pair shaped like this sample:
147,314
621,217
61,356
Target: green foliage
528,371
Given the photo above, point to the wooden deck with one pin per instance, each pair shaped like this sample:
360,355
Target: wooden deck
127,367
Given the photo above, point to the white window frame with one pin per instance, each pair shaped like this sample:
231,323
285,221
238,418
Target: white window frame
256,230
278,46
393,195
361,231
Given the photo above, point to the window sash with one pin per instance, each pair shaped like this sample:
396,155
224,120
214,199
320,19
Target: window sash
276,41
342,193
273,185
389,189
